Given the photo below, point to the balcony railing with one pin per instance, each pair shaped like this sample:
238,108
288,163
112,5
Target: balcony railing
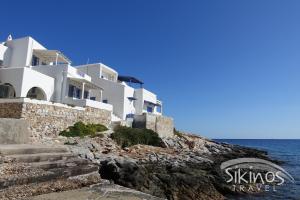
87,103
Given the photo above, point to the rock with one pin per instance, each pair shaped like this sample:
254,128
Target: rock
187,169
89,155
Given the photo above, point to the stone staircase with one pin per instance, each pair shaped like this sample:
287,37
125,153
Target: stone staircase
25,164
116,121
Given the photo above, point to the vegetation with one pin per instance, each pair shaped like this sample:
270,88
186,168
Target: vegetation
126,137
79,129
70,143
178,133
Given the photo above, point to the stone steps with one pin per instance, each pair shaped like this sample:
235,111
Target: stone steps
30,149
75,171
28,164
46,165
26,191
39,157
63,172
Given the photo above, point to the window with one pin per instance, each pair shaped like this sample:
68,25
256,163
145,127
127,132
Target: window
105,101
35,61
129,116
78,93
93,98
71,91
86,94
149,109
158,109
74,92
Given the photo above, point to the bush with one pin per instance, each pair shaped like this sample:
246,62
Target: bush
177,133
126,137
79,129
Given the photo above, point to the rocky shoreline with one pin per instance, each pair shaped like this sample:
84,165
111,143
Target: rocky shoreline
187,167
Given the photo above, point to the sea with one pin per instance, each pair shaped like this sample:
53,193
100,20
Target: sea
284,150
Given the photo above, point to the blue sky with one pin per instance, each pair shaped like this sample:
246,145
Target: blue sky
224,69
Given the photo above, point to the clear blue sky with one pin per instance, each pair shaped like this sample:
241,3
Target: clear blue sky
224,69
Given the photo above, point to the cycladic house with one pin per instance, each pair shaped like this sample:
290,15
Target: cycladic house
32,74
125,93
28,69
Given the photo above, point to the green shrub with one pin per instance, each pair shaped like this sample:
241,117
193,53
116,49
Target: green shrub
99,135
70,143
178,133
80,129
126,137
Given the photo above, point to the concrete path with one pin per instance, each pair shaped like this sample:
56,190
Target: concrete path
98,192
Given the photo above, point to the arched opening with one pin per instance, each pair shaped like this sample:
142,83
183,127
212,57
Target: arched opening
36,93
7,91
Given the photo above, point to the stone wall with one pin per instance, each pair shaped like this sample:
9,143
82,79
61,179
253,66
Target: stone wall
10,110
14,131
47,120
163,125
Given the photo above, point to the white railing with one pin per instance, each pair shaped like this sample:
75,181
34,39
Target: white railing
87,102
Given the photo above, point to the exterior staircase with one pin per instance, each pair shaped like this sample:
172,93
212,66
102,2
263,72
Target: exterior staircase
115,121
23,164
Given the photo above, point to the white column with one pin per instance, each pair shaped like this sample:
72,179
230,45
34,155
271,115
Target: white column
100,96
64,86
82,92
56,60
100,72
89,94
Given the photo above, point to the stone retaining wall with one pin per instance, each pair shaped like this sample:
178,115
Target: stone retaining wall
46,120
163,125
14,131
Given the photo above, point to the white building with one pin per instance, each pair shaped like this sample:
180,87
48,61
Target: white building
29,70
120,92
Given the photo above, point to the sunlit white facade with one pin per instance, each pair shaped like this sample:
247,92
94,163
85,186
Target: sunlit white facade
29,70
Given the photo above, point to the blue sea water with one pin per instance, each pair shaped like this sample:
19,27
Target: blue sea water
284,150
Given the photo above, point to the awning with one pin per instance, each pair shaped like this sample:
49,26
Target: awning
51,56
129,79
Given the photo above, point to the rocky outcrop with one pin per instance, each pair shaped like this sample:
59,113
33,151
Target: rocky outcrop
188,168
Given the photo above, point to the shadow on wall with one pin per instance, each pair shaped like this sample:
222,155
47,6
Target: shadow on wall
7,90
36,93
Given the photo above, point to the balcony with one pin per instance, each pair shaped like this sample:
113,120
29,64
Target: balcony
87,103
47,57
